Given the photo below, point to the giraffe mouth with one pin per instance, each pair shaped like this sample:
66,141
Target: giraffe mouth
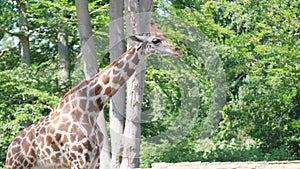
177,52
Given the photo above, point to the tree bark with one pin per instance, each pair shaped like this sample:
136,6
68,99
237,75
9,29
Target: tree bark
145,7
117,103
64,62
136,23
86,39
132,130
24,35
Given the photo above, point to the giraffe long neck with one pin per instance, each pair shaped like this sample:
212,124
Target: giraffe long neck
113,77
105,83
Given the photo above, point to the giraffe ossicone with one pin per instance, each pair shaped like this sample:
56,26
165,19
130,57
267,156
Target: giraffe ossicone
69,137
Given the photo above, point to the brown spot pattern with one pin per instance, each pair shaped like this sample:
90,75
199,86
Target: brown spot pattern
31,152
54,147
25,145
128,70
49,140
61,104
113,91
98,89
51,129
82,92
121,81
82,103
64,126
66,108
57,137
92,107
105,79
108,91
115,71
100,104
48,151
136,59
120,64
116,79
65,139
43,130
87,145
76,114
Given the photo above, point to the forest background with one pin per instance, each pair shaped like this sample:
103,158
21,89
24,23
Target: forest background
256,42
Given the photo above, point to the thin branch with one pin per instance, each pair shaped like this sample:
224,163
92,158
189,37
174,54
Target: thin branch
3,51
5,31
18,34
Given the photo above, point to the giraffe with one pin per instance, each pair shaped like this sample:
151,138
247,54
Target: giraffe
69,137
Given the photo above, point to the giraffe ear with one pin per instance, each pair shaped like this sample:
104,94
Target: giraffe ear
137,38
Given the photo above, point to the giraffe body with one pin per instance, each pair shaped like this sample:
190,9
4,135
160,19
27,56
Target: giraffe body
69,136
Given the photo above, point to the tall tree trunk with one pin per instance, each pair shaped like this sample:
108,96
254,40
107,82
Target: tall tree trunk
136,23
64,62
86,39
132,121
145,8
117,104
24,36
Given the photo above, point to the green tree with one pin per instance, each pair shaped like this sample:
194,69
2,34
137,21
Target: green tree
258,43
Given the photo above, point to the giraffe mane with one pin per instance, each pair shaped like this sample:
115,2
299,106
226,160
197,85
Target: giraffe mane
86,82
131,50
76,88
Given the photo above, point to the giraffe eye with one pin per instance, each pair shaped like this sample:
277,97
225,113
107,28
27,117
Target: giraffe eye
156,41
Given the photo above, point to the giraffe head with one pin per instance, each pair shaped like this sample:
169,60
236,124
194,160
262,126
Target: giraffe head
155,43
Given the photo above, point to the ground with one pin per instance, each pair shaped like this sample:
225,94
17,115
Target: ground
229,165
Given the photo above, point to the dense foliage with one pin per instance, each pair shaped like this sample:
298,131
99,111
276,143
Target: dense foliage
257,50
258,44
